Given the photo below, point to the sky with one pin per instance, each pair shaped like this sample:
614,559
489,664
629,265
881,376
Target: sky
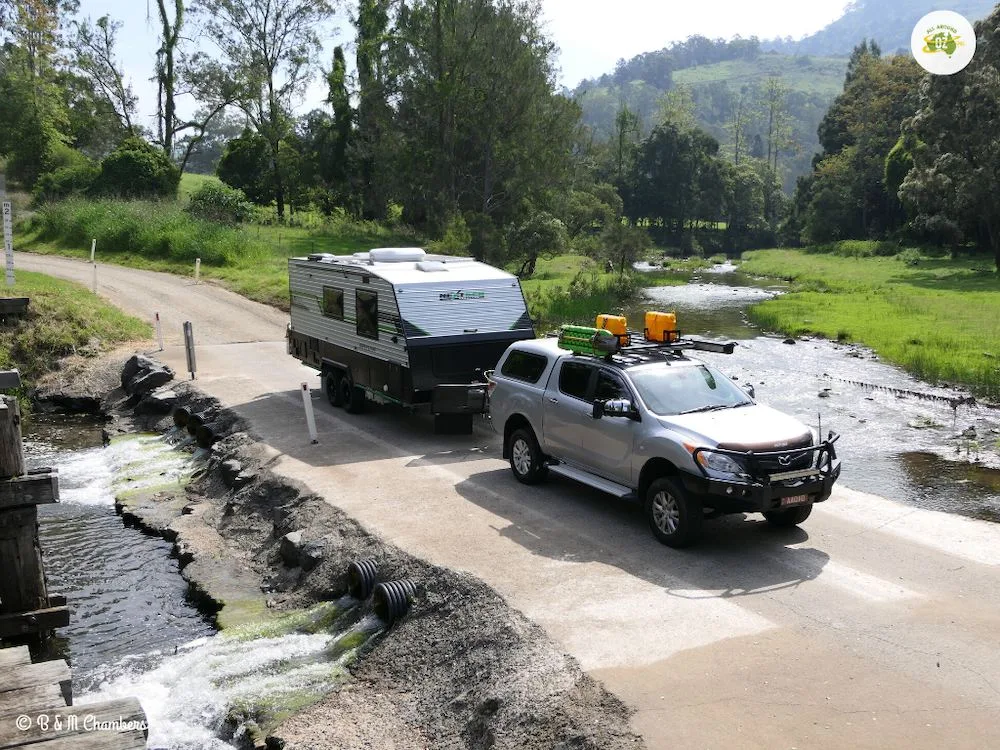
592,35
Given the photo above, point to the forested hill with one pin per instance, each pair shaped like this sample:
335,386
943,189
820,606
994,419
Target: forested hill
888,22
726,79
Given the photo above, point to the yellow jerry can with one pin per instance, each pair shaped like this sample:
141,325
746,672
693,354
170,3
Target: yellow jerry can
661,327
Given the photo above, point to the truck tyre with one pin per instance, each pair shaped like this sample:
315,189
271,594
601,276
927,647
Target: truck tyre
526,459
788,517
352,396
675,518
333,394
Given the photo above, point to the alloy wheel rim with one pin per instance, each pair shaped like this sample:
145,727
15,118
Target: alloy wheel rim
666,512
522,456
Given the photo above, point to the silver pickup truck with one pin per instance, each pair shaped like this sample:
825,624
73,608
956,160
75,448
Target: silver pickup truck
654,424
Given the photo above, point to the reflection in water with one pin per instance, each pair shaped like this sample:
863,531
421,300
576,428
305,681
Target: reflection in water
882,432
945,484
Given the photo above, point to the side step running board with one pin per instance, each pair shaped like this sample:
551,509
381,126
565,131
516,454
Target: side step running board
585,477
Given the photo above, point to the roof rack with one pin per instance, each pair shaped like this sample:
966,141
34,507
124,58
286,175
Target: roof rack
605,345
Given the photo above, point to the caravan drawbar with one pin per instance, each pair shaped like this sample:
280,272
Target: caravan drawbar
403,326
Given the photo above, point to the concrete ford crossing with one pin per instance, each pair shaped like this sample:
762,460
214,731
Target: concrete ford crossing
636,417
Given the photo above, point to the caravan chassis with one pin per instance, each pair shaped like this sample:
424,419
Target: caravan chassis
349,378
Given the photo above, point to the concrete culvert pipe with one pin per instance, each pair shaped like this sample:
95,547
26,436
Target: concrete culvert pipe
193,423
181,416
361,577
205,436
392,599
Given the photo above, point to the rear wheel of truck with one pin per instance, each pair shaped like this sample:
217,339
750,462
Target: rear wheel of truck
526,459
352,396
789,517
333,394
675,518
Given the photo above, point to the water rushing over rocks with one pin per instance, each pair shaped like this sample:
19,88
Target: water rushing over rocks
124,589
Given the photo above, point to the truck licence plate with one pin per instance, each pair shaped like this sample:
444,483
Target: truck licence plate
795,500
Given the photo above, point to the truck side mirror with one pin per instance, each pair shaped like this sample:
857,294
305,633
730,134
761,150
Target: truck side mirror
750,390
618,407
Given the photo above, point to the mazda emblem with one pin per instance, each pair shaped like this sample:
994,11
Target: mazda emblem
784,460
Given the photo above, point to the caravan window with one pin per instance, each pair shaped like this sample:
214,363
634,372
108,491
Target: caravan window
333,302
367,304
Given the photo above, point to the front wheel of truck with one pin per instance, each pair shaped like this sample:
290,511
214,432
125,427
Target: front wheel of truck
789,517
675,518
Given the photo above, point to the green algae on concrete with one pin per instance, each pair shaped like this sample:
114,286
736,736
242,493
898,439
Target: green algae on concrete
316,619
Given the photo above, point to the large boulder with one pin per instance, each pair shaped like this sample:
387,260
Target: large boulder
141,375
297,552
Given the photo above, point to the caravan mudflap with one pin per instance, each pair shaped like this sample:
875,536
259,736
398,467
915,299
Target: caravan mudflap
468,398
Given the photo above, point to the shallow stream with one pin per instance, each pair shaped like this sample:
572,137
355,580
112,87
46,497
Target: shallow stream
133,630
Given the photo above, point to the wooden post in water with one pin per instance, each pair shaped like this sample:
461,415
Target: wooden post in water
25,606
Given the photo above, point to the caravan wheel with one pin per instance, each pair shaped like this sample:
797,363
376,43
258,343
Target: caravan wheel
353,398
333,394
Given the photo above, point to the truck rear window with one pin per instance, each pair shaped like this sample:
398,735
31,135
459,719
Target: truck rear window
524,366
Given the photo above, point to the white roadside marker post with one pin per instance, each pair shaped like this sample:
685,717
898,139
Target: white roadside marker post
159,331
310,417
197,270
8,236
93,251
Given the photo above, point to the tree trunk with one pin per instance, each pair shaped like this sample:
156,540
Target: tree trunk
279,186
994,230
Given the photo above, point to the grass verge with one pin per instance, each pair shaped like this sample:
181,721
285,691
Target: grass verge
939,319
63,318
574,289
161,236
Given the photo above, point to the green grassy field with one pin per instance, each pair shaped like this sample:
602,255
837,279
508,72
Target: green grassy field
191,182
811,75
251,260
937,318
63,318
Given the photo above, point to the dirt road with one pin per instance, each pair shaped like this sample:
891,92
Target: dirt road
875,625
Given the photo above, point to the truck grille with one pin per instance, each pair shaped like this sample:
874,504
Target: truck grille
787,458
785,462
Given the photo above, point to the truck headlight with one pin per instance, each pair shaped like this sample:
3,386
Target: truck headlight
720,463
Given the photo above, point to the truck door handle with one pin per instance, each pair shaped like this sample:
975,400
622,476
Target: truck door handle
554,400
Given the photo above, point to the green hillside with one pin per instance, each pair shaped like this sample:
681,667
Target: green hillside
823,76
813,83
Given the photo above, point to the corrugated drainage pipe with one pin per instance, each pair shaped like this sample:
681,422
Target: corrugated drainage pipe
392,599
361,577
181,417
194,422
205,436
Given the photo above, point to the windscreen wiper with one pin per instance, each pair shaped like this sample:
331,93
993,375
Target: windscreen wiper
713,407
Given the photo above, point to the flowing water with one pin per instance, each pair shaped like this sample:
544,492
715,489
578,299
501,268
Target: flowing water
133,631
915,449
